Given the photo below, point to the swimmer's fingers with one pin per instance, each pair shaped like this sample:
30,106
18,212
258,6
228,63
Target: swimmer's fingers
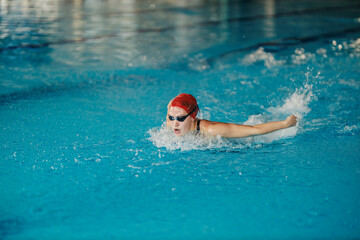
291,121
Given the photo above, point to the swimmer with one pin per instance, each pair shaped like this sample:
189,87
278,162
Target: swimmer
181,117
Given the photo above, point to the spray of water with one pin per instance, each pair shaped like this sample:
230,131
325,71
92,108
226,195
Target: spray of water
297,104
261,56
164,137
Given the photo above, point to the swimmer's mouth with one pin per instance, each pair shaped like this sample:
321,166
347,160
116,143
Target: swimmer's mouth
177,131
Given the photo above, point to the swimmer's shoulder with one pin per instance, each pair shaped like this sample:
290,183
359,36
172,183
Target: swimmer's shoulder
205,126
212,128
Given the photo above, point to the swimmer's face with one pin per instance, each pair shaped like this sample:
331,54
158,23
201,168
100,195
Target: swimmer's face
180,128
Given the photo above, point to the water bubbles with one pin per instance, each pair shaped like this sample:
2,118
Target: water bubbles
355,47
352,48
301,57
349,130
322,52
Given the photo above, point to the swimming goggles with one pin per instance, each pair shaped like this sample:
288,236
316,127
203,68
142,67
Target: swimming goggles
182,118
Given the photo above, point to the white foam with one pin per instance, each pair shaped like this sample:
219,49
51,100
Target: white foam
260,55
164,137
302,57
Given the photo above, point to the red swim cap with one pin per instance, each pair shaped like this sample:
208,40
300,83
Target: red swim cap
186,102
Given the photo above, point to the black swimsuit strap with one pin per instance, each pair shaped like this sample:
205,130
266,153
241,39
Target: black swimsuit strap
198,126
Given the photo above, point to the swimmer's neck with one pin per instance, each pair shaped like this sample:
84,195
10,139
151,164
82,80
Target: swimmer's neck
193,127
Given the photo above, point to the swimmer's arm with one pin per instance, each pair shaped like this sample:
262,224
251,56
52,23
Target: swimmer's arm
231,130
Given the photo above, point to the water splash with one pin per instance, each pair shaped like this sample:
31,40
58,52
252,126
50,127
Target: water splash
301,57
164,137
297,104
260,55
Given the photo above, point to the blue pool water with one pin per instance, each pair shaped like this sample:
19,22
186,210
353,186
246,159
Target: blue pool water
83,92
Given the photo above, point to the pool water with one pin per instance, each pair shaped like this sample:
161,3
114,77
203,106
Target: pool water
84,87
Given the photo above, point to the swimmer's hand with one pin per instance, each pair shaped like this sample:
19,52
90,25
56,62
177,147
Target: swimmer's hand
291,121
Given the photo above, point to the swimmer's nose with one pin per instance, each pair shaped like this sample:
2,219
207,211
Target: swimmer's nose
176,123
